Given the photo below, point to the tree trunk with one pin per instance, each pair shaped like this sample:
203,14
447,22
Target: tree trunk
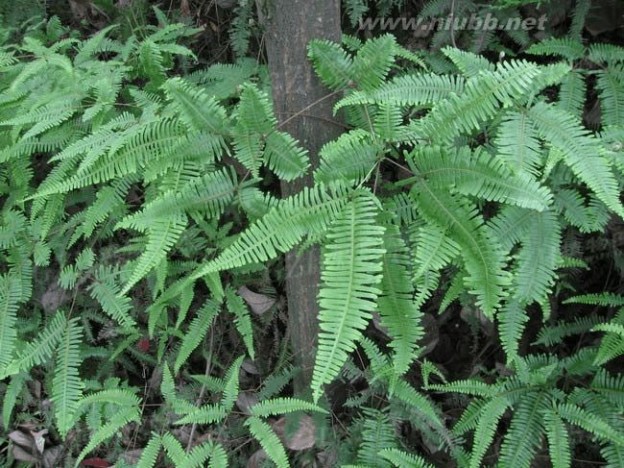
301,102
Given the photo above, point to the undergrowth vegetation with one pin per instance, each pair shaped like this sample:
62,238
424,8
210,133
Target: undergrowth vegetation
141,232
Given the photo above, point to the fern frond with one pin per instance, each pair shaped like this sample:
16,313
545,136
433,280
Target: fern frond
558,440
208,451
163,234
538,258
399,314
115,396
490,415
567,48
150,452
11,393
275,383
525,431
402,459
605,53
478,174
434,250
197,110
512,318
10,297
467,387
350,274
242,320
517,143
209,194
351,157
377,434
611,387
590,422
66,383
483,260
284,156
601,299
482,97
373,60
271,444
468,63
423,89
572,93
309,211
196,331
207,414
231,387
41,349
331,63
580,152
123,417
611,85
172,447
106,291
278,406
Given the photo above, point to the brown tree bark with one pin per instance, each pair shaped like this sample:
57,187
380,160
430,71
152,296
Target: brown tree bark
304,107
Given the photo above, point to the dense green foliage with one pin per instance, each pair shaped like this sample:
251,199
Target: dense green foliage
136,203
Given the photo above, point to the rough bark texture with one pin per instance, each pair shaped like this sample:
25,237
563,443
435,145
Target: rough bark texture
301,101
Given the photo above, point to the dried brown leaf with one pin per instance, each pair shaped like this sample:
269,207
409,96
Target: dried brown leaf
258,303
304,438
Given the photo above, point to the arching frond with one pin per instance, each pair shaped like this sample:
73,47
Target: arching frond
350,275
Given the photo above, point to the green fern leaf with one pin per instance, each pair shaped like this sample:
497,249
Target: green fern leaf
207,414
11,393
231,387
538,258
196,331
517,143
41,349
110,429
399,314
377,434
242,321
271,444
105,290
66,383
580,151
402,459
284,156
558,440
278,406
331,63
572,93
309,211
351,157
10,297
163,235
480,175
611,85
150,452
211,451
423,89
197,110
483,260
489,417
210,194
172,447
525,431
373,61
592,423
563,47
481,100
350,274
